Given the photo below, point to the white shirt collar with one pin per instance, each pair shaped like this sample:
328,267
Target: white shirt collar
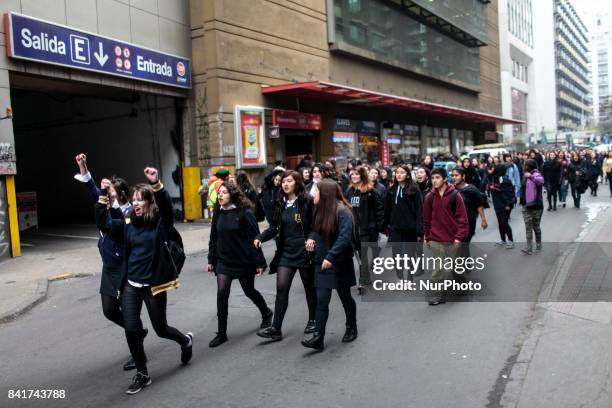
231,207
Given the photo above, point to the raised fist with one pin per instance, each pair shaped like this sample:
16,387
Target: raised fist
105,184
151,175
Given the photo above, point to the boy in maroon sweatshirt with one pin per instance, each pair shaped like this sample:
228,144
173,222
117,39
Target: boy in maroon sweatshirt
445,225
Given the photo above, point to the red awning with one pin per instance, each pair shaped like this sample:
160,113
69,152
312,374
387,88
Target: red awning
327,91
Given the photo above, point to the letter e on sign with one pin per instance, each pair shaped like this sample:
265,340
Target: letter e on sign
79,49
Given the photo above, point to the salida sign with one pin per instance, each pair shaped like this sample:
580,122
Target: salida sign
37,40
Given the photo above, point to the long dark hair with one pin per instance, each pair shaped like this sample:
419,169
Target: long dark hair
237,197
150,213
300,190
244,181
121,188
410,188
331,200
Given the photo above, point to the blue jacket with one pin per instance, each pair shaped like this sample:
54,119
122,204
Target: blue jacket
515,178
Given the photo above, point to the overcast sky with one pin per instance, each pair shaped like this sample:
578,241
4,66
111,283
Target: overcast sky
588,10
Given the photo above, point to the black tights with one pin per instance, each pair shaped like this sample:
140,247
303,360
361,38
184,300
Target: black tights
224,284
552,196
348,303
284,278
156,306
111,307
504,226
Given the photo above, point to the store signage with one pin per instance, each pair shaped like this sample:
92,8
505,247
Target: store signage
343,137
344,125
36,40
490,136
296,120
274,132
385,156
249,122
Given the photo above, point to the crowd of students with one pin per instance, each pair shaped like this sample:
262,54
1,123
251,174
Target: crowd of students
319,217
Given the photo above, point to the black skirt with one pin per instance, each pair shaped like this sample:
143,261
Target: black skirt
235,271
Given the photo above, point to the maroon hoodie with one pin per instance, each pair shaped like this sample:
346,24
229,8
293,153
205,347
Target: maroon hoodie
439,222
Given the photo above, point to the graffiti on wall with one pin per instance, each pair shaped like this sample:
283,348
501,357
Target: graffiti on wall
5,239
7,159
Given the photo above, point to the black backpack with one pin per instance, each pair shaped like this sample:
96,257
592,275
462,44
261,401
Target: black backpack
175,249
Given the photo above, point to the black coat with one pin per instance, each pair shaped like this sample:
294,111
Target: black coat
552,172
162,276
269,196
305,209
369,215
339,252
404,211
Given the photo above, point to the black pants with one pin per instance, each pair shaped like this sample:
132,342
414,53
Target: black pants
504,226
405,242
369,241
575,195
551,195
131,304
593,185
111,307
609,176
284,278
348,303
224,284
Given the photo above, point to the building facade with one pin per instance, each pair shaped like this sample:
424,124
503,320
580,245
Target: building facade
93,76
518,81
572,73
601,69
373,79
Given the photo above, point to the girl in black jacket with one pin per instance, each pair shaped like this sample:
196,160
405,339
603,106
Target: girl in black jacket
404,214
333,246
232,255
291,226
369,216
576,173
502,195
111,248
147,272
552,172
269,195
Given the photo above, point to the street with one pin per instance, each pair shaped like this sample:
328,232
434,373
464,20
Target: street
408,354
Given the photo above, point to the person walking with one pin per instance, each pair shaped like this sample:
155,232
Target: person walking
552,172
232,255
291,227
148,271
607,169
110,247
564,186
404,215
333,245
577,178
502,195
269,195
369,216
446,226
593,170
533,206
475,202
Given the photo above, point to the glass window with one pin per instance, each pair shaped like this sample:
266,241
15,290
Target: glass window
392,37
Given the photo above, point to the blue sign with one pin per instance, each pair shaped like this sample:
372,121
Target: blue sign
36,40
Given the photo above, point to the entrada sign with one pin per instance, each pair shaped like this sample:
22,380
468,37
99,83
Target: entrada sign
32,39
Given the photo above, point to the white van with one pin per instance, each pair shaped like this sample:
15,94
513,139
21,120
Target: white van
491,151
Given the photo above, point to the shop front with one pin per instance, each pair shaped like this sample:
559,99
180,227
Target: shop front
356,139
298,134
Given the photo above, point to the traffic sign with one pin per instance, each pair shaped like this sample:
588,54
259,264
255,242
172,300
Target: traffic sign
37,40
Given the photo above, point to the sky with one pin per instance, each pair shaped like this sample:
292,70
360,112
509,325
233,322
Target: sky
588,9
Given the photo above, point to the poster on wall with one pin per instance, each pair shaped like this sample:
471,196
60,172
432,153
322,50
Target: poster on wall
27,210
250,139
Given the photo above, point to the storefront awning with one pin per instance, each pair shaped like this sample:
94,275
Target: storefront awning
326,91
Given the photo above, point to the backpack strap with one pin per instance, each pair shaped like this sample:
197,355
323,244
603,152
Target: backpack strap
453,201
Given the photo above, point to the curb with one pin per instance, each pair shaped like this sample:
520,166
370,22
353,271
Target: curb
40,294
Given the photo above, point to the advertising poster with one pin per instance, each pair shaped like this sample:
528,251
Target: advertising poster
250,138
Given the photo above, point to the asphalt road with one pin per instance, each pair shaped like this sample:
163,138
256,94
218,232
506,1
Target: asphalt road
408,354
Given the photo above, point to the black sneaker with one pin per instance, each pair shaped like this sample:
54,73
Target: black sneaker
139,381
271,333
435,301
266,321
187,350
311,327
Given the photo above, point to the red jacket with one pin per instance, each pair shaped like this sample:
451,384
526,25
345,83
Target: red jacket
439,222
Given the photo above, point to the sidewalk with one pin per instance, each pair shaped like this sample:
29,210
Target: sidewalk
565,359
24,281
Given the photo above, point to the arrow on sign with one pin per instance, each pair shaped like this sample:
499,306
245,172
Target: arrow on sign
100,55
